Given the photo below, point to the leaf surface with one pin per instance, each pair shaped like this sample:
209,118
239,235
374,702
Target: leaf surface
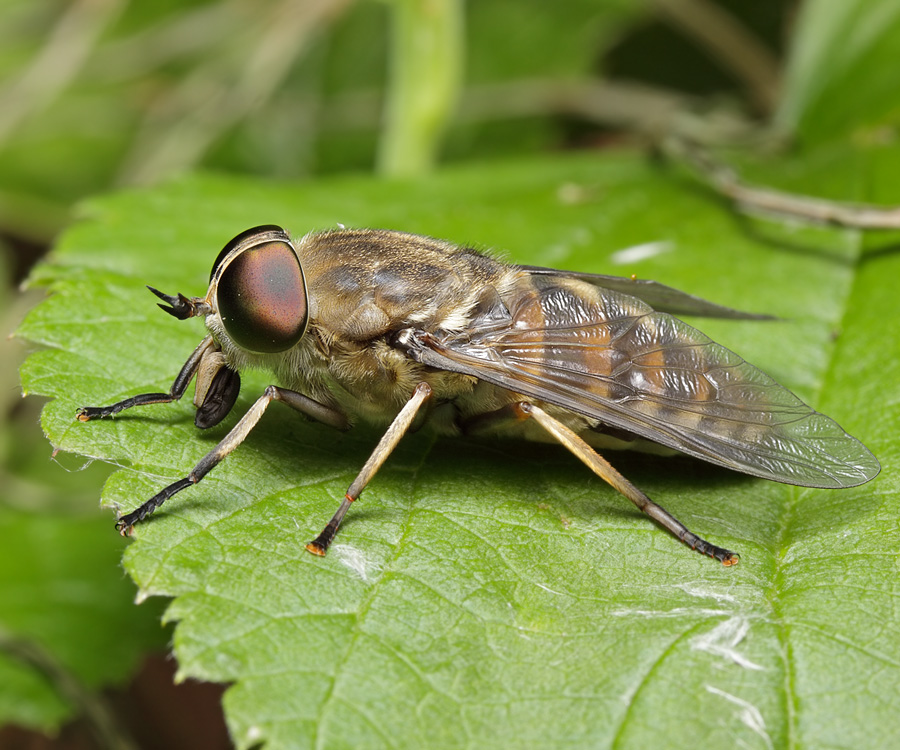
488,593
68,624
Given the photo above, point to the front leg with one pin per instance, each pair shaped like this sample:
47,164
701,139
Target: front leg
87,413
232,440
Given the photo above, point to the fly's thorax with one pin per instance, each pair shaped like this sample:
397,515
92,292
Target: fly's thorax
373,382
365,284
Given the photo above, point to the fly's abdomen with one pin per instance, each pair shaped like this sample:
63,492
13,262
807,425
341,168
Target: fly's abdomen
610,356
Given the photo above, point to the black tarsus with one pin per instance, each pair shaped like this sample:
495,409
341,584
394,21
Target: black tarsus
179,386
203,467
699,544
129,520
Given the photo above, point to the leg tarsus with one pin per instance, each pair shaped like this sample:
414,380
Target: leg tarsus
126,522
319,546
87,413
724,556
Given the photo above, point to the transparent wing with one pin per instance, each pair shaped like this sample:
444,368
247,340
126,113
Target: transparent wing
659,296
610,356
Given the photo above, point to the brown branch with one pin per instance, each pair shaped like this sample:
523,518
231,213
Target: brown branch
752,199
647,110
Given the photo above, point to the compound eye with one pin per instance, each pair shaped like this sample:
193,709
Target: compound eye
261,297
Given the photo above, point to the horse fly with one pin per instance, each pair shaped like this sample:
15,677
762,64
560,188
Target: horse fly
394,329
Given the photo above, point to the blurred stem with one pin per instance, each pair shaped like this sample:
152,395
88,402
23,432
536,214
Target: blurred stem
645,110
424,81
731,43
214,97
60,59
101,719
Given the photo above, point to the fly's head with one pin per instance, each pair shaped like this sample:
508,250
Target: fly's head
256,305
257,290
257,295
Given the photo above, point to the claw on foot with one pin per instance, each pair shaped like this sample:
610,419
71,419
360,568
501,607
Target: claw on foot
316,549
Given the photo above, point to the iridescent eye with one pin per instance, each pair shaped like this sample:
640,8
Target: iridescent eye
261,296
243,238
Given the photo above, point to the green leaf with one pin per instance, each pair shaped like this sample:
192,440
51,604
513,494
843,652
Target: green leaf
67,615
841,74
489,593
68,624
